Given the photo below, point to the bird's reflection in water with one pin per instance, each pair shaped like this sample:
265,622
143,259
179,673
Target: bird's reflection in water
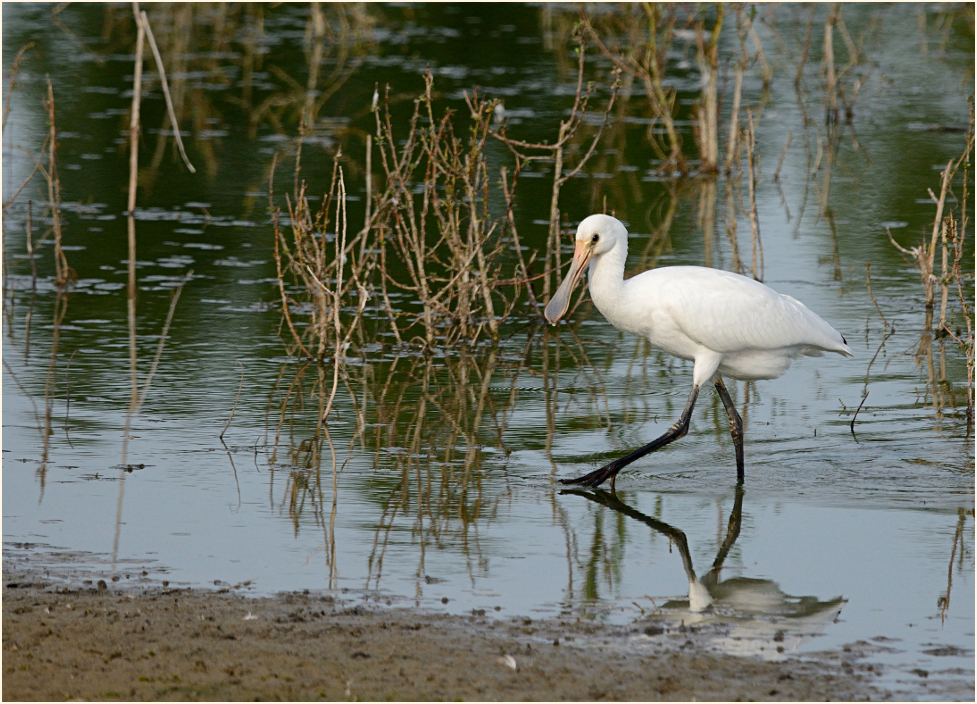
740,615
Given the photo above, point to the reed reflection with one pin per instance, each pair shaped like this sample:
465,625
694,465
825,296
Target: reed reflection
427,426
741,615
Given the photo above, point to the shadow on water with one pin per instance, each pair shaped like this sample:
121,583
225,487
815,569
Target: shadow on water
739,615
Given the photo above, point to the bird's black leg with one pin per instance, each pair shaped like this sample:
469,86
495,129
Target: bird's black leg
610,470
735,427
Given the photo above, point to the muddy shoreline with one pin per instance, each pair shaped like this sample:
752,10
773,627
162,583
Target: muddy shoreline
105,643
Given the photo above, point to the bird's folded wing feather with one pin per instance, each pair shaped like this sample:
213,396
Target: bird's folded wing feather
728,313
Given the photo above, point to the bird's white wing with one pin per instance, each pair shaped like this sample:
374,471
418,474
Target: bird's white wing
726,312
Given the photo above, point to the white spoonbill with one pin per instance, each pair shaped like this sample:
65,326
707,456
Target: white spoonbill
725,323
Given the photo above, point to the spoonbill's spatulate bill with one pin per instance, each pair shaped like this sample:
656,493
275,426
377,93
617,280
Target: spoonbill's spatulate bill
725,323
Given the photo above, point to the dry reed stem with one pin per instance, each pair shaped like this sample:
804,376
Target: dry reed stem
928,278
369,192
341,227
966,311
64,274
340,257
143,20
948,223
134,117
280,243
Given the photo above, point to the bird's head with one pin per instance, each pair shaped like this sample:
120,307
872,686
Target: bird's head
596,235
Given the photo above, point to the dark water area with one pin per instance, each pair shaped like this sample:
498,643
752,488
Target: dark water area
445,491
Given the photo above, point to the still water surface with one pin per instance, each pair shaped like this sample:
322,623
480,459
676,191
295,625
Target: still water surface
445,494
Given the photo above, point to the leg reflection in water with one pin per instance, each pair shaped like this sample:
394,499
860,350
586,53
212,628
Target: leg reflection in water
740,614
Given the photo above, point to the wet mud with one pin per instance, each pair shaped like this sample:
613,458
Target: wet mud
103,643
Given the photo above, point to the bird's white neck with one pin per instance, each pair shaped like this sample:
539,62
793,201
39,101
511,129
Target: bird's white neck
607,281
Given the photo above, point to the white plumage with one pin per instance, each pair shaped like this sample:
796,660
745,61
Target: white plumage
725,323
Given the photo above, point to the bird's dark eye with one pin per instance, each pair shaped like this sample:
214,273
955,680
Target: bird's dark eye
593,240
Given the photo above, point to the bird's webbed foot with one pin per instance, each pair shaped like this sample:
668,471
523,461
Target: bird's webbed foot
595,478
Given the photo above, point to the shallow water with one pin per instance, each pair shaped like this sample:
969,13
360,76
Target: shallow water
445,494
